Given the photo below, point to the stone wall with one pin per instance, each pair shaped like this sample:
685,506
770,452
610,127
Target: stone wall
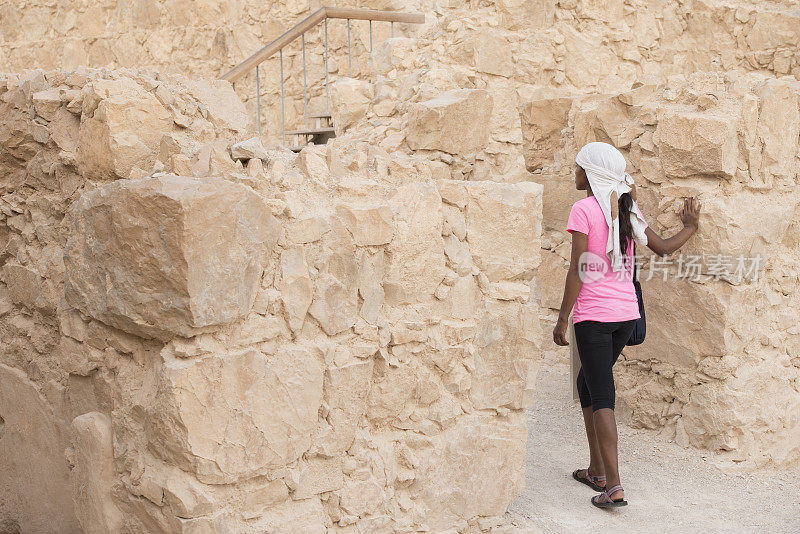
720,366
201,335
520,49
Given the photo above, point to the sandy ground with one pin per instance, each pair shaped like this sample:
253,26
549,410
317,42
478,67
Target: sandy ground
669,488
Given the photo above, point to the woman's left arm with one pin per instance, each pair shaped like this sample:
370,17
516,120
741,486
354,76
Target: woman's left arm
572,286
690,216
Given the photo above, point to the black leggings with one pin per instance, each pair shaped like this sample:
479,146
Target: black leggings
599,346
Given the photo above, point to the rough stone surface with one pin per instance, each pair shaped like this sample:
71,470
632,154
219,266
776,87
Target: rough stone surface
108,146
719,339
305,344
167,255
393,265
93,473
249,149
234,415
454,121
35,476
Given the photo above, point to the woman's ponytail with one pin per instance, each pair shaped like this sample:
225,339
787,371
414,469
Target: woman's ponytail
625,227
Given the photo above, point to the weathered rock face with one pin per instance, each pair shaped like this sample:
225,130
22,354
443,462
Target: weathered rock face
232,416
329,341
167,255
400,282
34,474
454,121
108,148
720,336
93,473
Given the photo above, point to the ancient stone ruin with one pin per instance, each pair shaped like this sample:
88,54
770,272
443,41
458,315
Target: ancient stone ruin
720,368
265,343
204,331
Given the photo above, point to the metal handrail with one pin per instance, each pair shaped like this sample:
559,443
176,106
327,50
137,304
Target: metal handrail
309,22
299,30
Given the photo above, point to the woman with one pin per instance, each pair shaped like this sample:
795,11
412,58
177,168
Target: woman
599,285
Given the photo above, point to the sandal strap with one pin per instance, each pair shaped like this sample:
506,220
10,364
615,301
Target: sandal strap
607,493
593,478
605,496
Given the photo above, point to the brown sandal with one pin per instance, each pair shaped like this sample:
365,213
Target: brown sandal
604,500
590,480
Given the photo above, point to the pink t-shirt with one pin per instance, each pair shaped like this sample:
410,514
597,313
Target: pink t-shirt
605,295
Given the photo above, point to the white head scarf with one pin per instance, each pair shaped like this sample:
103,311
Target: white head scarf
605,169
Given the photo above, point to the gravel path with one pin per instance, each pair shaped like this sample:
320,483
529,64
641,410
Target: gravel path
669,489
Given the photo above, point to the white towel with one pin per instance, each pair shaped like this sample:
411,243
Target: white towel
574,362
605,169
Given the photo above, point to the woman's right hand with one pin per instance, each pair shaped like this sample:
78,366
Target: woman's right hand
560,333
690,214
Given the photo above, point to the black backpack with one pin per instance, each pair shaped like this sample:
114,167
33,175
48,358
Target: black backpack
640,328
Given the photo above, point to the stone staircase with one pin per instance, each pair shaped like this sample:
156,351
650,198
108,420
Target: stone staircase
323,129
318,134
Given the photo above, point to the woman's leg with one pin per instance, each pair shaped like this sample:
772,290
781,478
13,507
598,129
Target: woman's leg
595,461
596,466
605,425
604,420
595,342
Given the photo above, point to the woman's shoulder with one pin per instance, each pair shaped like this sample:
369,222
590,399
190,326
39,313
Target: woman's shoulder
585,204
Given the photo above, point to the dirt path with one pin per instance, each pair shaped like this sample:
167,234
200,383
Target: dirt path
670,489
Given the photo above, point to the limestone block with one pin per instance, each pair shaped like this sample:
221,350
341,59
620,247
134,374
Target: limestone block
728,426
296,286
64,132
121,128
504,228
93,474
368,225
318,475
249,149
455,121
674,338
256,502
744,222
474,468
774,29
507,355
696,143
415,264
558,196
520,13
370,277
776,136
168,255
335,305
350,99
550,278
228,417
306,515
47,103
458,255
492,54
223,108
505,125
579,45
608,120
34,478
346,390
24,286
463,298
392,53
185,496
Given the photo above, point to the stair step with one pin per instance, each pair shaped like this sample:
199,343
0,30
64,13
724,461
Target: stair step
311,131
326,115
